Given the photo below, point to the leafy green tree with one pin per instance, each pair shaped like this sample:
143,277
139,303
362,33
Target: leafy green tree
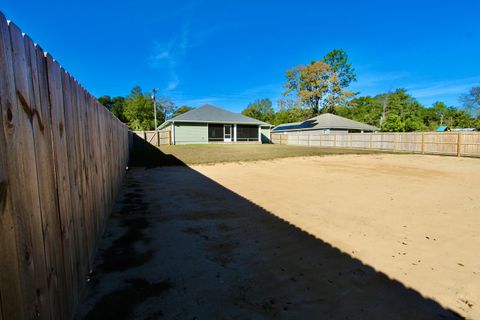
393,111
364,109
403,113
260,109
435,116
471,101
456,118
393,123
138,110
341,75
310,83
115,105
337,59
290,110
321,85
181,110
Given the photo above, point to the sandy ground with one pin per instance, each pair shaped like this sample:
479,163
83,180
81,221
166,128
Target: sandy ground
337,237
414,218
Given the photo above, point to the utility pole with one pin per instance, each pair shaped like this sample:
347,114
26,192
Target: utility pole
155,106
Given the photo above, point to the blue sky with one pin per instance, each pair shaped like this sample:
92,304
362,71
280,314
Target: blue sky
230,53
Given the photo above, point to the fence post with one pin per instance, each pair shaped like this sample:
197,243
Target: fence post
459,144
423,142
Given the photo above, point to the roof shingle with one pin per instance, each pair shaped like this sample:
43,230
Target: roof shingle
326,121
212,114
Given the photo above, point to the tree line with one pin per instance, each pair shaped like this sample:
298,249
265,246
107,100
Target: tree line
136,109
322,86
316,88
395,111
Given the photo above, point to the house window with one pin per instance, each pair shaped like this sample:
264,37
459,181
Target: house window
247,133
215,132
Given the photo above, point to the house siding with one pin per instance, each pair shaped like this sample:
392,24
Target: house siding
191,133
265,135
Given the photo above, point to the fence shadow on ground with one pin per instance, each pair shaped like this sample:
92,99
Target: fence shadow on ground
189,248
147,155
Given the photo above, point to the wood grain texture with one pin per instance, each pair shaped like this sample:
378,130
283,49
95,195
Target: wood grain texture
62,178
25,185
156,138
11,277
59,176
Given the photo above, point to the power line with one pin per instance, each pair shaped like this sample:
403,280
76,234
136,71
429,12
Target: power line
154,91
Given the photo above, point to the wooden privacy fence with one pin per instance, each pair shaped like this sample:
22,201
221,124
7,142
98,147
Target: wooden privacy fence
156,138
445,143
62,159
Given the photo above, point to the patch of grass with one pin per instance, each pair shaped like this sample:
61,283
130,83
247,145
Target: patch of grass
217,153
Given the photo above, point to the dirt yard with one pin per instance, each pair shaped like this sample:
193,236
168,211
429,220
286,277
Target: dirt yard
414,218
337,237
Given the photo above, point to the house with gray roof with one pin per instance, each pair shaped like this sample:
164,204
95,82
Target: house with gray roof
326,123
210,124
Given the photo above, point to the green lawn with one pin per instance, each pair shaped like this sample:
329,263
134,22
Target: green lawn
214,153
146,155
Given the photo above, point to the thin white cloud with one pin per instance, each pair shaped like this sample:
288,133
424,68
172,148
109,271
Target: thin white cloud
375,79
443,88
168,55
427,92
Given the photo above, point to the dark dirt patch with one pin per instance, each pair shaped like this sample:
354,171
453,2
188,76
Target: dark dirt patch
193,230
197,216
120,304
133,207
221,253
133,203
122,254
224,227
133,195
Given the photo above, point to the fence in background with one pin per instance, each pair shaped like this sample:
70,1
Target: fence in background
62,159
156,138
444,143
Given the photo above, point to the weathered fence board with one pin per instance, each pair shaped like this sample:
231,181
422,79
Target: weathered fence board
11,279
25,186
444,143
62,178
62,159
46,175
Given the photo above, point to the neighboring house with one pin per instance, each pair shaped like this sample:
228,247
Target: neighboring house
209,124
326,123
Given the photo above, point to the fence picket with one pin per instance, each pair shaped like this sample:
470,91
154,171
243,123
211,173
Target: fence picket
62,159
12,280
